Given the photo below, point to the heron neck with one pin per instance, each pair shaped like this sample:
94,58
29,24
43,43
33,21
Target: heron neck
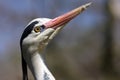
39,69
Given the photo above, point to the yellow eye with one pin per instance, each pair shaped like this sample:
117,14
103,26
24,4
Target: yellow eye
37,29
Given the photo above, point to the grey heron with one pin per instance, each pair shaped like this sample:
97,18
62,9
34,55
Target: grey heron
35,37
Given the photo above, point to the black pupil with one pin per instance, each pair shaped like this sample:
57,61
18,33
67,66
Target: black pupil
37,28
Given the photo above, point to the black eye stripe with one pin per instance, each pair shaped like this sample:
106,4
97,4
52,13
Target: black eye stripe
25,33
28,30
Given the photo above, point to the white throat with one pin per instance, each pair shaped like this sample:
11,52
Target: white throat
38,67
40,71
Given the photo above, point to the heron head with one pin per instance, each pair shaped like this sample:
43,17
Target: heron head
37,35
40,31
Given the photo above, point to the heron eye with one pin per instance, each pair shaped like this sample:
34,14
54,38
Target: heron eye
37,29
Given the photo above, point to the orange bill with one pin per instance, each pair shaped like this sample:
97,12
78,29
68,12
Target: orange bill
65,18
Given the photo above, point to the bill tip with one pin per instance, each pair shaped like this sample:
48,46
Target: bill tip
87,5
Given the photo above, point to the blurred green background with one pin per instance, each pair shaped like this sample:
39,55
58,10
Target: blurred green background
88,48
